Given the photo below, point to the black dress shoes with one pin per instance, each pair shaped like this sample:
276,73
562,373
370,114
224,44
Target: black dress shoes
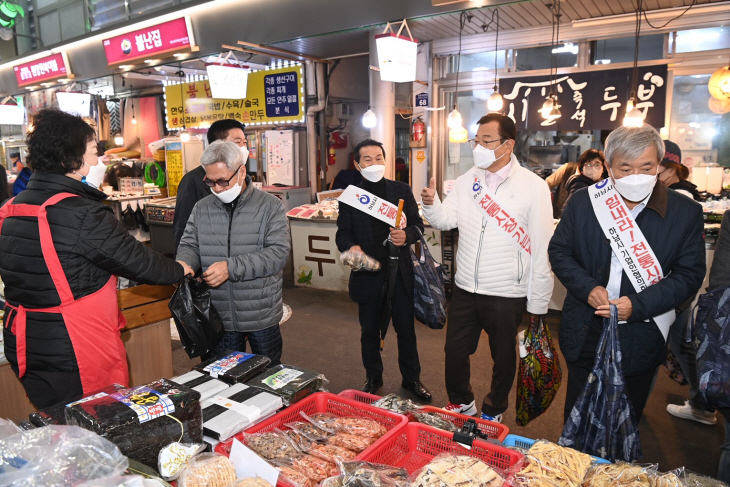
418,389
372,385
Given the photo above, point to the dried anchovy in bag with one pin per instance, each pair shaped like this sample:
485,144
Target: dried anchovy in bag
397,404
435,420
271,446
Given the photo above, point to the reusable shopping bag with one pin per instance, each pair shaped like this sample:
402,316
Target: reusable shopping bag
712,332
429,294
602,422
198,323
540,374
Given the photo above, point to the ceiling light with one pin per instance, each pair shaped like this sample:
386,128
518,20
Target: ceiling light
547,107
458,135
126,66
495,101
181,54
634,117
152,61
184,136
454,119
369,119
118,140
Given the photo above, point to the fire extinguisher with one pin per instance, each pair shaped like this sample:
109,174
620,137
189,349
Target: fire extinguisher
331,158
418,130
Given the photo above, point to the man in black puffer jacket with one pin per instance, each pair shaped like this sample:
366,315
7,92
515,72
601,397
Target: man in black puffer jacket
92,247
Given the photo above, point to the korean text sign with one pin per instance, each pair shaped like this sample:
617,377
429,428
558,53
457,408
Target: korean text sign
43,69
594,100
174,35
273,96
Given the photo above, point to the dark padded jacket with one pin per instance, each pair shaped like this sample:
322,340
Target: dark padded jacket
191,190
92,246
354,228
580,256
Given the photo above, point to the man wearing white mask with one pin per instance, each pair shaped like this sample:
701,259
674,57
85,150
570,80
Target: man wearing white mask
627,241
239,238
360,232
505,221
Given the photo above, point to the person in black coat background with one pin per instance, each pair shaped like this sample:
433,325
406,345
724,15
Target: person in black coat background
192,188
582,258
359,232
92,246
590,171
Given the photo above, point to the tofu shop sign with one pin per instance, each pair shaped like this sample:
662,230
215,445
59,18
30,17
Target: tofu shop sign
272,96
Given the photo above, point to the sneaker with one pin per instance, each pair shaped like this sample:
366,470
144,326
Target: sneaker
468,409
493,419
688,412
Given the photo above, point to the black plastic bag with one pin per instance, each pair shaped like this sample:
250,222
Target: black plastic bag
139,216
429,293
198,323
128,219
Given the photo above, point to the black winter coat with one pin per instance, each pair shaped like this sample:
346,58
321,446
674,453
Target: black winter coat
354,228
580,256
92,245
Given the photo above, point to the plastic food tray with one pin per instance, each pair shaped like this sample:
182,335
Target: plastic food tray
526,443
359,396
494,430
417,444
325,402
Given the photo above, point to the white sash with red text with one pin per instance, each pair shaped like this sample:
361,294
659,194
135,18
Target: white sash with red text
369,204
628,243
504,221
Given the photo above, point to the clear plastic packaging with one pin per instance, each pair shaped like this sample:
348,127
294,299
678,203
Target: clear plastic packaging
314,468
175,456
395,403
331,453
433,419
309,430
271,445
359,261
295,477
117,481
8,428
557,465
250,482
56,414
207,470
358,426
57,456
448,470
692,479
351,442
290,382
365,474
621,474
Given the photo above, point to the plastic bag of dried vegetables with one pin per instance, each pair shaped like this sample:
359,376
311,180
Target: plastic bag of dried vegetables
449,470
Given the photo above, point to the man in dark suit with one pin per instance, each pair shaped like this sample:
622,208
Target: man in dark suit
359,232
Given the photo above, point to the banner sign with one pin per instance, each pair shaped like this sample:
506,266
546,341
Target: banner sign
369,204
146,43
594,100
44,69
272,96
628,243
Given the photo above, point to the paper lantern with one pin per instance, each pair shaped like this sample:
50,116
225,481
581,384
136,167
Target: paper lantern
397,55
228,82
719,84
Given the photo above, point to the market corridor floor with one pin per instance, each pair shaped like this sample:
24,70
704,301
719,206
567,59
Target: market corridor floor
323,334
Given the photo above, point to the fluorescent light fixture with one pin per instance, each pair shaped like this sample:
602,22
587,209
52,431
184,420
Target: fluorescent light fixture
567,47
152,61
126,66
74,103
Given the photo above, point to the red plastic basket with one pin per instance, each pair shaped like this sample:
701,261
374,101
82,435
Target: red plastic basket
359,396
325,402
417,444
494,430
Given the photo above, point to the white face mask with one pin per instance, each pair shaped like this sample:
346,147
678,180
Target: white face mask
483,157
635,187
593,173
231,193
96,175
244,152
373,173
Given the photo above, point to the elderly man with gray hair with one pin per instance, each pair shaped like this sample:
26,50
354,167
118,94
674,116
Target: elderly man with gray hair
628,241
239,238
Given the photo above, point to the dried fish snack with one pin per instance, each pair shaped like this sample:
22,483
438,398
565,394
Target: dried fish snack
142,420
233,367
336,481
290,382
309,430
395,403
559,466
620,475
435,420
331,453
294,477
357,426
356,467
351,442
207,470
314,468
359,261
250,482
271,445
448,470
300,441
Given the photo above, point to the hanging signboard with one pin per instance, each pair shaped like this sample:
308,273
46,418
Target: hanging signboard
229,82
174,166
46,68
146,43
594,100
273,96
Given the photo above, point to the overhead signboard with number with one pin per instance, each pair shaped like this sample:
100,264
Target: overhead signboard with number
274,96
171,36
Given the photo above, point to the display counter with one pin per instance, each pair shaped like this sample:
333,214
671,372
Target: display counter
146,339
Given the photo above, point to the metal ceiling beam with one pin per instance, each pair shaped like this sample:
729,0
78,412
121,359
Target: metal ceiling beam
282,51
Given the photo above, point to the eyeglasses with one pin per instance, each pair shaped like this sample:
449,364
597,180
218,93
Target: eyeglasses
484,143
598,164
223,183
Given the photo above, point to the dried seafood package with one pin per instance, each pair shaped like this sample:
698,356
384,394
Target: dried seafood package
365,474
250,482
395,403
552,465
233,367
314,468
56,414
142,420
447,470
435,420
331,453
236,409
206,385
207,470
295,477
290,382
352,426
355,443
271,446
620,475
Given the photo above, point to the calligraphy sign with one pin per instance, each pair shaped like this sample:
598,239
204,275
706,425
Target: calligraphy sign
594,100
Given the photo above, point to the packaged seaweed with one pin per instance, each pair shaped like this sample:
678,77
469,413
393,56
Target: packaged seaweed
290,382
206,385
236,409
56,414
233,367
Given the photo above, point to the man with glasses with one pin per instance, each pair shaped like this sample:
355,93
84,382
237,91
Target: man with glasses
239,238
191,188
505,222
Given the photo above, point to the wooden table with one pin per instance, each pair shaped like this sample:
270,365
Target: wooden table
146,339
